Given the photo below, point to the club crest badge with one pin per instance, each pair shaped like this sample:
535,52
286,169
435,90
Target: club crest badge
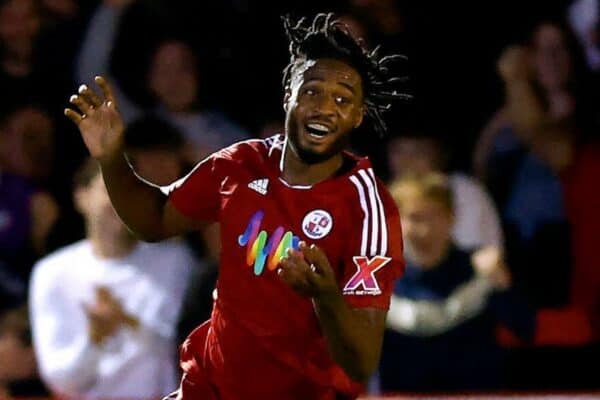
317,224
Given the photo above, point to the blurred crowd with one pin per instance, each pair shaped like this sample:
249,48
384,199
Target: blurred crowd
494,166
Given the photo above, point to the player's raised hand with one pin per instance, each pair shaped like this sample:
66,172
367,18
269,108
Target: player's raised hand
308,272
98,120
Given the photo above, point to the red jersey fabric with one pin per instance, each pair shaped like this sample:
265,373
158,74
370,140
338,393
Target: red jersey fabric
582,201
263,340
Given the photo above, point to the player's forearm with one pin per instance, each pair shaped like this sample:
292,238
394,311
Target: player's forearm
139,204
353,340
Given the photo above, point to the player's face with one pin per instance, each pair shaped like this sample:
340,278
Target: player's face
324,104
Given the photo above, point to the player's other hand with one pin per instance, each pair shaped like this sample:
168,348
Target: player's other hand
98,120
308,272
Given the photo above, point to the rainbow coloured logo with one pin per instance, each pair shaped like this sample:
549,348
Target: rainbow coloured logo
262,250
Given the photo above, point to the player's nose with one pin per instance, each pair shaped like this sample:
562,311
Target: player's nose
326,107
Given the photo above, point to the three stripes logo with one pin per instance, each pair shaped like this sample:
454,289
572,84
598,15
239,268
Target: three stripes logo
259,185
374,237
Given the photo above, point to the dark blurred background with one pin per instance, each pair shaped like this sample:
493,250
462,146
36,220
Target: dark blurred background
211,71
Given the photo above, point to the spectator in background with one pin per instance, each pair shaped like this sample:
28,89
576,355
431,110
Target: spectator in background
523,148
18,369
476,222
541,151
545,143
454,349
20,24
156,151
27,213
61,9
106,303
383,22
173,80
25,56
584,19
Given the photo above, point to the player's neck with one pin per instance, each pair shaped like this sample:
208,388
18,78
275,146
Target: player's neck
297,172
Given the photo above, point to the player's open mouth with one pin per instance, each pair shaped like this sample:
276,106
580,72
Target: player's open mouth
317,130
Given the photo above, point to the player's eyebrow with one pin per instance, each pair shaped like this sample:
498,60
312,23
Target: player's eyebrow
347,86
341,83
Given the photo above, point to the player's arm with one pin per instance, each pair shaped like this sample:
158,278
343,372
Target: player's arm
142,206
354,335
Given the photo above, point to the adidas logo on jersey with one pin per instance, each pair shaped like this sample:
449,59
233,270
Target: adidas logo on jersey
259,185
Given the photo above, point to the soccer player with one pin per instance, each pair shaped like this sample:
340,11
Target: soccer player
311,241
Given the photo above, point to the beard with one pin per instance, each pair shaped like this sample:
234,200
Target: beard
308,155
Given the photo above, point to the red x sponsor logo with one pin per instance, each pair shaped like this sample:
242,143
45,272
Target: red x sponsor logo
365,275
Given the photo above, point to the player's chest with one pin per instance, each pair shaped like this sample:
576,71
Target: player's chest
263,217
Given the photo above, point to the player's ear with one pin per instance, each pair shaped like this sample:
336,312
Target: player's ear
360,116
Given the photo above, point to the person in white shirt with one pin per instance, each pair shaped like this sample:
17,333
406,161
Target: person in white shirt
104,310
476,221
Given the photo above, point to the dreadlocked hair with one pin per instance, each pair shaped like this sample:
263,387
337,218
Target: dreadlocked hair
327,37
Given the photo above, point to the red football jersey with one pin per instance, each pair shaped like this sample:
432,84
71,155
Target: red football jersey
263,340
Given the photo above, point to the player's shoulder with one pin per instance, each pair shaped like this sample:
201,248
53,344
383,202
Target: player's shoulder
367,187
252,150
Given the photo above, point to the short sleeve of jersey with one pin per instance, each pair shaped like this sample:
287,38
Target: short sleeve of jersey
198,195
374,258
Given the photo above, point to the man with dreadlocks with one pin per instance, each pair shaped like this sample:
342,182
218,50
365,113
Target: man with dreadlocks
311,240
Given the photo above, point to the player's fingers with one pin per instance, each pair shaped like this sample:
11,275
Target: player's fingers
106,90
81,103
297,258
73,116
291,273
305,274
313,276
315,256
90,96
